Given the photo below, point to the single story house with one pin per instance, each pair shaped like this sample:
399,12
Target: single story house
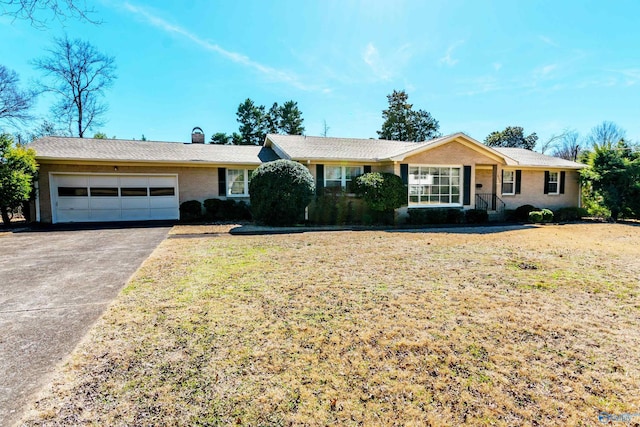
85,180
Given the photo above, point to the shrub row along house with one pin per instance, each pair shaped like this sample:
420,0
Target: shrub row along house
85,180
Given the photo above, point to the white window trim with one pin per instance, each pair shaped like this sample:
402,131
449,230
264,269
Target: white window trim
513,193
245,192
343,175
439,205
557,182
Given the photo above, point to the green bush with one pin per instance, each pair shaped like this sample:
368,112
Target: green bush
476,216
535,217
420,216
226,210
510,215
569,214
381,191
521,213
547,215
191,211
279,192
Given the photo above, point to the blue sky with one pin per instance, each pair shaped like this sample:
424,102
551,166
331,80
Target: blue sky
476,66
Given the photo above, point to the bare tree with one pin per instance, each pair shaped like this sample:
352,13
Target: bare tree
569,146
39,12
14,102
553,141
606,134
325,128
78,74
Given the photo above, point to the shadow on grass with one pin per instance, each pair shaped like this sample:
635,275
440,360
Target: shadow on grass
257,230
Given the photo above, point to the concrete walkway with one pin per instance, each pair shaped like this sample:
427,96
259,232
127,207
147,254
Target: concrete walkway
53,286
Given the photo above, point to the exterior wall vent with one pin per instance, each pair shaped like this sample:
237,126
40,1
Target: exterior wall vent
197,136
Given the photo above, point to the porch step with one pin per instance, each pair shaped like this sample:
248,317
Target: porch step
495,215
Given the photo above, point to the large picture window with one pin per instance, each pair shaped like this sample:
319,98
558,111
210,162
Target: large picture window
238,182
341,176
431,185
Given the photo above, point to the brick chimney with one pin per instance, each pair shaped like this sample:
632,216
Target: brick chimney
197,136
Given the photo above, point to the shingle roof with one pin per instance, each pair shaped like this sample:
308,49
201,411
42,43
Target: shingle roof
286,146
299,147
526,157
53,147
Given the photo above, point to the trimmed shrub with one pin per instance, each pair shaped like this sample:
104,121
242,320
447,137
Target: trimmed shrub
333,208
436,216
476,216
535,217
226,210
547,215
522,212
569,214
510,215
280,191
191,211
381,191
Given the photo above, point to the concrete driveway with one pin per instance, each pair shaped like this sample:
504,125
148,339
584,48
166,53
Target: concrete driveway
53,286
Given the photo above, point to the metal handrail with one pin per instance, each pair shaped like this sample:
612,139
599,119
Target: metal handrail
489,201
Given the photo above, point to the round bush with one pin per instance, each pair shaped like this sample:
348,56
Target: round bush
522,212
535,217
191,211
279,192
547,215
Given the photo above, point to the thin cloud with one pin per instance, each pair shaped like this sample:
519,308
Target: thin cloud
387,65
546,70
238,58
497,66
371,57
548,41
448,59
632,75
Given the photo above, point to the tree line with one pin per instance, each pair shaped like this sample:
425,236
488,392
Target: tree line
256,122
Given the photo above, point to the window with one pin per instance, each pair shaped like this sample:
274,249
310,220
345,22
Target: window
431,185
72,192
552,184
508,182
162,191
133,191
340,176
238,182
104,192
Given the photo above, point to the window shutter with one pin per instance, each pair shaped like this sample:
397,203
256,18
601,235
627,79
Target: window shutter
367,169
562,177
546,182
319,179
466,191
404,173
222,182
518,180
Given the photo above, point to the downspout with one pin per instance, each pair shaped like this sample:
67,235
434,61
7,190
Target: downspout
36,187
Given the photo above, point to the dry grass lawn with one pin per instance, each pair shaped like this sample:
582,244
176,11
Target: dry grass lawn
530,326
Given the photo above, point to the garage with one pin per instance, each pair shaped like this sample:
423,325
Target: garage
113,197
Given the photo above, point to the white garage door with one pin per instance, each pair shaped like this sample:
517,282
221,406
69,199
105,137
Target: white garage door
92,198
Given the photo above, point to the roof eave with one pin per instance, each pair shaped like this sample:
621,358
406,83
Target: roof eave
49,159
269,143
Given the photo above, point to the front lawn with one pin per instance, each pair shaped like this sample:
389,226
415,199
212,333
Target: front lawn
483,326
